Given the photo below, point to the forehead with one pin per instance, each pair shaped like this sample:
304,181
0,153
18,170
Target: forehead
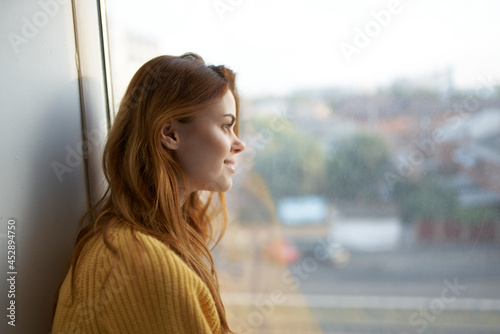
225,106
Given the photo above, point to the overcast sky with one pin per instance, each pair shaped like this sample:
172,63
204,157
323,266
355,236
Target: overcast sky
277,46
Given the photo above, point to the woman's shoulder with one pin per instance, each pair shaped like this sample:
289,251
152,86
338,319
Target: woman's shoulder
138,253
133,282
126,239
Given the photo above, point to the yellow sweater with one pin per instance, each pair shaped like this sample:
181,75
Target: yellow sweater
164,296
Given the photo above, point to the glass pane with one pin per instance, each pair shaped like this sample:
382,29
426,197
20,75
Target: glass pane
368,197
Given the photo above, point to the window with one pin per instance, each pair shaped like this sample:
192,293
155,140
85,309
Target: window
368,198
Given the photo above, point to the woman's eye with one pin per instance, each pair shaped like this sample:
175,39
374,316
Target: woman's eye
228,126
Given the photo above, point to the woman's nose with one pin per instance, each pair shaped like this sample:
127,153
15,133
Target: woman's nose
238,145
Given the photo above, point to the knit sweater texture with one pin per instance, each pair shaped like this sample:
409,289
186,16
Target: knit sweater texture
162,294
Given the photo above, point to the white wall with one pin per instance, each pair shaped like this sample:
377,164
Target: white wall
40,123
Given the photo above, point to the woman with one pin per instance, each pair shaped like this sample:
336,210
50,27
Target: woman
142,263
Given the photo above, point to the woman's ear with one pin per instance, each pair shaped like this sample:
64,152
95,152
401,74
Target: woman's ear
168,137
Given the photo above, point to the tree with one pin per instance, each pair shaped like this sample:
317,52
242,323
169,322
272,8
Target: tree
356,167
291,162
426,199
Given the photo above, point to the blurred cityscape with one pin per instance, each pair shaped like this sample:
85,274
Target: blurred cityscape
418,150
358,208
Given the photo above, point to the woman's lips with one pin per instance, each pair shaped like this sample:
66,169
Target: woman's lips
230,165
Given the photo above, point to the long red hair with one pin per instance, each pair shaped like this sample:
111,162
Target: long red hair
143,178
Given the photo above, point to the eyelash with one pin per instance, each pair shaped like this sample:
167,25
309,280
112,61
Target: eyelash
228,126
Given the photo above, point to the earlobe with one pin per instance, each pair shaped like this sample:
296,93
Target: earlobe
168,137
